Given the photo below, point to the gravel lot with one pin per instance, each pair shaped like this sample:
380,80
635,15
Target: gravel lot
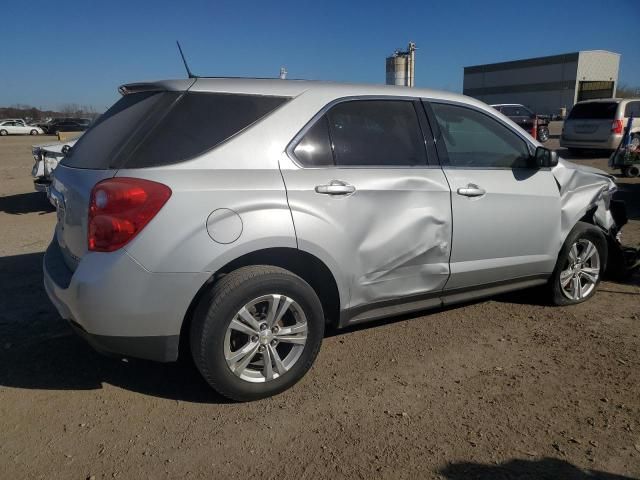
503,388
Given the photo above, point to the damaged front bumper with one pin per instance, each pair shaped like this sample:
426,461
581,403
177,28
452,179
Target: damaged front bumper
587,194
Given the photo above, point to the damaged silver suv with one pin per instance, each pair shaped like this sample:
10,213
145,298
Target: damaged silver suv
233,219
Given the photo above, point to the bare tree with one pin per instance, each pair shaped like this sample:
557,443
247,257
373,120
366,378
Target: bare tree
627,91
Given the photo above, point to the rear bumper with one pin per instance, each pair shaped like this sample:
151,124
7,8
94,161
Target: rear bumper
119,307
610,143
159,349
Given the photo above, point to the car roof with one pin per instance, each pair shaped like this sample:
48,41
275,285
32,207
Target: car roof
507,105
291,88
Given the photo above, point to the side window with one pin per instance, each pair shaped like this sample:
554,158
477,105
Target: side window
314,150
376,133
476,140
509,111
632,108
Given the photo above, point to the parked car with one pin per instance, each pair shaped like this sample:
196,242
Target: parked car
58,126
17,127
525,118
232,219
47,157
599,124
20,121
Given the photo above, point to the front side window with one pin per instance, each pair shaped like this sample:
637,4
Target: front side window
476,140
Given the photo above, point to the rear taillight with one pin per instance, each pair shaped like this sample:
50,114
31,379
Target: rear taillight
120,208
616,126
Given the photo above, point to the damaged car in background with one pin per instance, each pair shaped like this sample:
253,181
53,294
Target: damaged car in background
240,217
47,157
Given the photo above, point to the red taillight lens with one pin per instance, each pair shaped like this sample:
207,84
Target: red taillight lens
120,208
616,126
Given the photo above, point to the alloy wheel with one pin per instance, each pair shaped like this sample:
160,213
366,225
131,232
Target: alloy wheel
582,270
265,339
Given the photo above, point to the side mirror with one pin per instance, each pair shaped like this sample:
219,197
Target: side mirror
545,157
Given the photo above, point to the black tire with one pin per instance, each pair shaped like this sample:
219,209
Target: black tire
586,231
631,171
33,132
4,133
221,304
543,134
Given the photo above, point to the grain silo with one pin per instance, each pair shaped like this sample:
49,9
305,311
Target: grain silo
401,67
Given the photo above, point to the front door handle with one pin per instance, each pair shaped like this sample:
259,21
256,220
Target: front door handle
335,187
471,190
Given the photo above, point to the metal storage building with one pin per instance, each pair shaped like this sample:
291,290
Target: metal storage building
546,84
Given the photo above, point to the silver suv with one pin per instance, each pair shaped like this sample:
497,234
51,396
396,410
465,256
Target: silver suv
233,219
600,124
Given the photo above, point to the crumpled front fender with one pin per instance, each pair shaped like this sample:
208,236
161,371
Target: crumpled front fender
584,189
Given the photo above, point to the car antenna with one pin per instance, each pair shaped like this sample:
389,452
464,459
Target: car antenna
184,60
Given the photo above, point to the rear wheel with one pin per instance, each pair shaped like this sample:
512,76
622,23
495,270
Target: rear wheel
257,332
3,133
635,141
580,265
631,171
543,134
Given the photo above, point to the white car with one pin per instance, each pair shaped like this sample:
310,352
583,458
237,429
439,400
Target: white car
17,127
47,157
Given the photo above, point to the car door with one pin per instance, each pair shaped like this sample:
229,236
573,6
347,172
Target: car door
506,211
15,128
367,200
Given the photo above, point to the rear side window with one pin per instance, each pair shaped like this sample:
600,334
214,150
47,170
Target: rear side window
632,108
376,133
476,140
593,111
365,133
314,150
149,129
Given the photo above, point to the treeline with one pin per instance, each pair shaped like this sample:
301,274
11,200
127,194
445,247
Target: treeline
33,113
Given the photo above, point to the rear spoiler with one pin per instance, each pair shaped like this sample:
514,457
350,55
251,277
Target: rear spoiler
163,86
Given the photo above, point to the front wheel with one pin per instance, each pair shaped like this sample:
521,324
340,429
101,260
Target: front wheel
580,265
33,132
256,332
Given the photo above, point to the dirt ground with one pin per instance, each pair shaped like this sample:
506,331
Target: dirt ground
506,388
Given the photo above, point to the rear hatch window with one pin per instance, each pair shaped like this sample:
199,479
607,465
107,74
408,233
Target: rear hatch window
148,129
594,111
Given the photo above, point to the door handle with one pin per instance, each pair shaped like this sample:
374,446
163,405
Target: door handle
471,190
335,187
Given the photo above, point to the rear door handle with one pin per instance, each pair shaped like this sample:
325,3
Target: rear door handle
471,190
335,187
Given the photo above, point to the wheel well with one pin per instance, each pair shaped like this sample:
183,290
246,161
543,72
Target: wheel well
307,266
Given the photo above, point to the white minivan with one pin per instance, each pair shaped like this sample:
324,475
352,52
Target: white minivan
600,124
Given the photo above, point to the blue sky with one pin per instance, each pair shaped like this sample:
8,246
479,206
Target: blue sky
80,51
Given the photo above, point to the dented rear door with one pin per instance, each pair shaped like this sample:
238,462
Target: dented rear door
380,214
